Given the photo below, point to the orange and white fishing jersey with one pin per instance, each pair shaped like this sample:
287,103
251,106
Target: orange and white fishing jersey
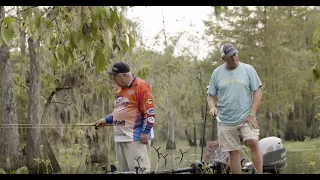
133,112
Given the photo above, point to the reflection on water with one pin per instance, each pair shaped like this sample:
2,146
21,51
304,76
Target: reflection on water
296,164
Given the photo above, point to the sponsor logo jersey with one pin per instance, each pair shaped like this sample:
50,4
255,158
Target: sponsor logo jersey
133,112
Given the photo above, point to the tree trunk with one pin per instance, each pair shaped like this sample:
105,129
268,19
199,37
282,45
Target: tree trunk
194,141
314,126
171,144
194,132
22,41
269,120
191,143
38,148
10,147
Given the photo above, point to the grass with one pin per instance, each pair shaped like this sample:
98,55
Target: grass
307,144
308,152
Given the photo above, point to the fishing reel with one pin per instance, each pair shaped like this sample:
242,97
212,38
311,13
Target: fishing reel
197,167
247,166
113,169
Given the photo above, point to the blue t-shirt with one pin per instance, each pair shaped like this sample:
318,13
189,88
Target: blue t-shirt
234,91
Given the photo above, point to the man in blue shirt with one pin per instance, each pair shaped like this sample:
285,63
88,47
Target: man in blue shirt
236,88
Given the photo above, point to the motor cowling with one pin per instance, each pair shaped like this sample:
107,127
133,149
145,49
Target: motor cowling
274,154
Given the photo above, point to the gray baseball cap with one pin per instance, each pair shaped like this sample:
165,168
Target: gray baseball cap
228,50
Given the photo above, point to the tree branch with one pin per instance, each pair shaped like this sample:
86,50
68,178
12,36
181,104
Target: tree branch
46,11
50,97
26,9
57,102
66,25
26,87
21,85
14,16
159,106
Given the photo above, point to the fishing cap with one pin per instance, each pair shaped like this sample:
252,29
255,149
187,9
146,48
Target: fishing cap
228,50
119,67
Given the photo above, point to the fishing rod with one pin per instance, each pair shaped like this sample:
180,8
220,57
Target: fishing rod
50,125
204,126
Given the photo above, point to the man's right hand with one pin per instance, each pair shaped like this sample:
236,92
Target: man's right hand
213,111
100,122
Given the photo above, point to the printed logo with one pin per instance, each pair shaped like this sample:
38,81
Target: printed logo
130,92
121,103
151,111
149,101
119,134
122,123
151,119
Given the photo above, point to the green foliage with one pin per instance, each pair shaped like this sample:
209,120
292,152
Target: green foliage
144,71
7,31
74,161
99,60
2,171
22,170
308,158
316,71
131,41
219,9
316,39
71,41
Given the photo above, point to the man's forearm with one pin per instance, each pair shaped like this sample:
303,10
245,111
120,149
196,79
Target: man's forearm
149,125
211,101
257,96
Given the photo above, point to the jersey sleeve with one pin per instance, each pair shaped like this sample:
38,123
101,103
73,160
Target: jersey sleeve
146,104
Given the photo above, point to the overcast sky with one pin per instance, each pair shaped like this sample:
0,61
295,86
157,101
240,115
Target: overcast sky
177,18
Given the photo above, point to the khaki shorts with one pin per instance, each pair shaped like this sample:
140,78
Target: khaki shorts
127,152
229,136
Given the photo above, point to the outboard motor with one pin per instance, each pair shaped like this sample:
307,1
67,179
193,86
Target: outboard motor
274,154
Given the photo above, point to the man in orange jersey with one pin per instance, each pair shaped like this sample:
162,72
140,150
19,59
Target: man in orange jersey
133,118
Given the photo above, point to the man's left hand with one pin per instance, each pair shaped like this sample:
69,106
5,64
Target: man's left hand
144,138
252,121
